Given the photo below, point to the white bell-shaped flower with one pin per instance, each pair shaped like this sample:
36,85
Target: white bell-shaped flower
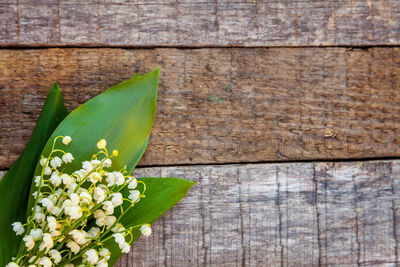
93,232
134,195
73,246
105,253
146,230
66,140
66,179
110,179
51,223
37,180
118,228
133,183
85,197
87,165
91,256
67,158
94,177
47,170
18,228
55,162
29,242
55,179
55,255
102,263
119,178
98,195
43,161
108,207
125,247
79,236
107,163
47,242
100,217
36,234
116,199
110,220
45,262
119,238
74,198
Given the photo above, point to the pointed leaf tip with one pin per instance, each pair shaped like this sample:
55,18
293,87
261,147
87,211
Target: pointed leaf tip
162,194
123,115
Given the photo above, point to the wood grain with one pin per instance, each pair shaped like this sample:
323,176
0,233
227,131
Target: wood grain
224,105
199,23
292,214
300,214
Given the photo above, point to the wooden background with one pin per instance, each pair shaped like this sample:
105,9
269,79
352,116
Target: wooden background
286,113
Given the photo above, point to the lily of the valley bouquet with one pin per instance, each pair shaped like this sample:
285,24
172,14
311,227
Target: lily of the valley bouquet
70,199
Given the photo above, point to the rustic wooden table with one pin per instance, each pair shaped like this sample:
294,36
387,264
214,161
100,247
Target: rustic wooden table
287,113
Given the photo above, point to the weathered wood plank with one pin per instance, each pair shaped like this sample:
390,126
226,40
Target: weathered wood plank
199,23
311,214
224,105
297,214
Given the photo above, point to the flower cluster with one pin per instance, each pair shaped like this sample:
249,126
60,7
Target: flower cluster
76,213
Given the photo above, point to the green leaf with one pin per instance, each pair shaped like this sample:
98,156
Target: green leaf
161,195
14,186
123,115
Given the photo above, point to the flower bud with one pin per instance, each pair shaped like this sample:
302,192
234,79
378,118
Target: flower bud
101,144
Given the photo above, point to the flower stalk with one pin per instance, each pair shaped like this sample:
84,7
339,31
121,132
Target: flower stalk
74,214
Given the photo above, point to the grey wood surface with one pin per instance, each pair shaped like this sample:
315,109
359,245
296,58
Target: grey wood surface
223,105
297,214
199,23
288,214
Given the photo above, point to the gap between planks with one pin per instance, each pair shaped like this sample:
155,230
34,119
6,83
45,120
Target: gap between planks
135,46
264,162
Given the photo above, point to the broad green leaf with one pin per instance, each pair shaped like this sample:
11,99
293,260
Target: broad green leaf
14,186
123,115
161,195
